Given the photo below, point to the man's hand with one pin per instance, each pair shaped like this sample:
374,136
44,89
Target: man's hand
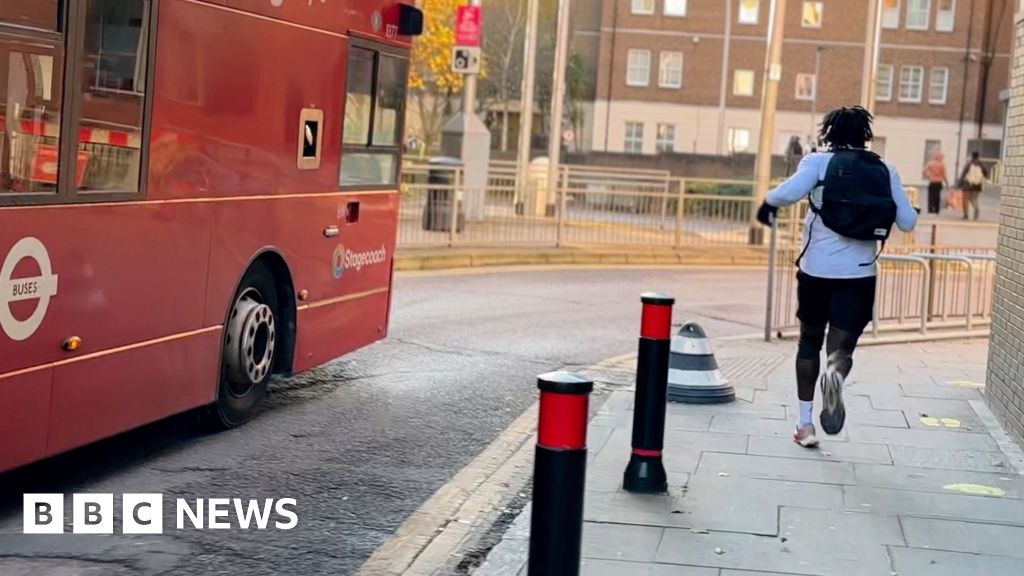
766,214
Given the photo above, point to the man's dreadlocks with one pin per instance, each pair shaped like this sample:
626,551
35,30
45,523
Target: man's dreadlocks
847,128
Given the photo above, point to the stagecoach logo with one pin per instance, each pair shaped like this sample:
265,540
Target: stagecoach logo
41,288
347,259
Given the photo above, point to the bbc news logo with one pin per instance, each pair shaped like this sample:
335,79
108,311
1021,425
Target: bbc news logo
144,514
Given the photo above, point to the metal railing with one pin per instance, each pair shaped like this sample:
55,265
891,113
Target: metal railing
922,285
591,206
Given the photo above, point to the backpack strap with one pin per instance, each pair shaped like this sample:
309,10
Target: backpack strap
810,231
877,255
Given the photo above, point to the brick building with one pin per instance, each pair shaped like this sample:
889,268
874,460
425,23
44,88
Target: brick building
1004,385
686,75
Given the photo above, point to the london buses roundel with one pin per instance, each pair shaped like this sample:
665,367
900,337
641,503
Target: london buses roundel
39,288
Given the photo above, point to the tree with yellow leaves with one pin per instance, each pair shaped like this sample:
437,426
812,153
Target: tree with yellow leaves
432,83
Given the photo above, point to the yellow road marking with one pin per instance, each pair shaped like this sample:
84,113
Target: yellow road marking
976,490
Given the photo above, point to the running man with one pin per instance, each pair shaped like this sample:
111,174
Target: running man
836,278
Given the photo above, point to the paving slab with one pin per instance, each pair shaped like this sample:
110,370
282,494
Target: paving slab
621,542
948,459
934,480
969,537
913,561
941,392
855,547
737,408
930,505
920,438
730,424
775,468
830,451
592,567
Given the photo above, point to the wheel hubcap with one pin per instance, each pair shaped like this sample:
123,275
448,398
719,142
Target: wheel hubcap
250,342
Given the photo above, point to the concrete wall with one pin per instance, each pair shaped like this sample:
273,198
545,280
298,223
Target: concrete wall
1005,383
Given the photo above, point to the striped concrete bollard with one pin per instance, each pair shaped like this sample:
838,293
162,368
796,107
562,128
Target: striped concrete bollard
693,374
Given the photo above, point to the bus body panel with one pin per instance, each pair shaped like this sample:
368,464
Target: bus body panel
24,414
119,276
146,284
226,106
104,395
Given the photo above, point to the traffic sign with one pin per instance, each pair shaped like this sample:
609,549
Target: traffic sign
468,24
568,136
466,59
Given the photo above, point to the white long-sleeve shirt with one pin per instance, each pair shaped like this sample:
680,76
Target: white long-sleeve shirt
830,255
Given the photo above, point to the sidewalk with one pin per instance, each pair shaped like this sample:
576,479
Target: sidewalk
920,482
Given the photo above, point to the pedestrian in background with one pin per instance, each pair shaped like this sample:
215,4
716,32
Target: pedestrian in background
935,175
972,180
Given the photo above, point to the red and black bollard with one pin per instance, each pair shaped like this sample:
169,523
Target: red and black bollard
646,472
559,475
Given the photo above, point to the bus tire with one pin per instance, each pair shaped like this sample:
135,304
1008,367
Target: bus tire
249,348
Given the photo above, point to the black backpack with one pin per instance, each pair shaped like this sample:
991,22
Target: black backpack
856,198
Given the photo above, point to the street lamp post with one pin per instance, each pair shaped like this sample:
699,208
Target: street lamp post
769,102
812,138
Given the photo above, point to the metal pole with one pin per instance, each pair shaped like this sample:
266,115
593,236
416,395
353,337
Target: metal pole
769,308
558,98
563,206
680,208
872,50
526,101
469,83
720,138
769,101
453,207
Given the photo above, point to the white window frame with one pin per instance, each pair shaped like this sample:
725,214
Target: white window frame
887,95
891,17
665,144
631,140
821,13
632,66
679,13
945,20
735,77
927,11
731,140
920,84
944,73
814,87
643,7
664,78
752,16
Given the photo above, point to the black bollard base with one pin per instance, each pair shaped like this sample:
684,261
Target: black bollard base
645,475
556,526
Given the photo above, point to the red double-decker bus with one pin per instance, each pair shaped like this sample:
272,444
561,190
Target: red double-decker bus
194,195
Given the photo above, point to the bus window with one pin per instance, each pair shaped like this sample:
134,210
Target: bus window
113,86
374,110
31,65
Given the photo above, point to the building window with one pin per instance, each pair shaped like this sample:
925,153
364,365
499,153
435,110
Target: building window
634,143
806,86
911,78
638,69
739,140
812,14
939,86
891,14
643,6
666,138
883,83
918,14
749,10
675,8
743,83
945,16
670,70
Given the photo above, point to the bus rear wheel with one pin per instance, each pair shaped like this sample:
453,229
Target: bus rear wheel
250,347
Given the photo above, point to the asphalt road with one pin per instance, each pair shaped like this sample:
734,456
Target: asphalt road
363,441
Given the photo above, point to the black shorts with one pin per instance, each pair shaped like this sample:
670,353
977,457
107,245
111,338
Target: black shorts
847,304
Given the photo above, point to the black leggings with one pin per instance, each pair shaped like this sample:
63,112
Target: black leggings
840,346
